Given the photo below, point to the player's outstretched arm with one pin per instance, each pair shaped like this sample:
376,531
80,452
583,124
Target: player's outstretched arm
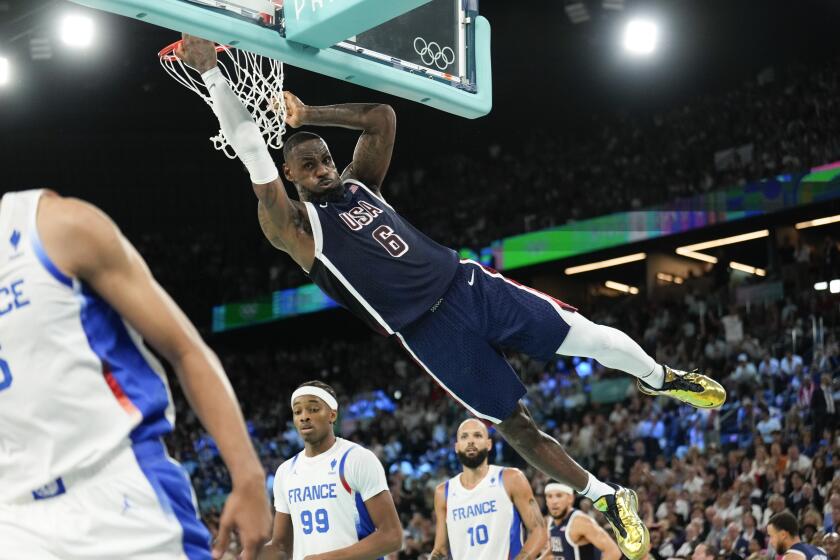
523,500
441,549
282,538
378,123
85,244
585,530
387,538
281,220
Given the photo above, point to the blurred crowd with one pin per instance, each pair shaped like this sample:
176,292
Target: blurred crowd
710,478
703,477
782,121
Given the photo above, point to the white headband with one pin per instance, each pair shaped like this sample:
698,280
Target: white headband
315,392
557,487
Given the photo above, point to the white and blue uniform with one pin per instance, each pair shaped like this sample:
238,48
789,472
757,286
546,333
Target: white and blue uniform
325,496
83,405
482,523
809,551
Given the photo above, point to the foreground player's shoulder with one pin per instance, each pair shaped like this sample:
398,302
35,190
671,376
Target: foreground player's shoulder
359,456
77,235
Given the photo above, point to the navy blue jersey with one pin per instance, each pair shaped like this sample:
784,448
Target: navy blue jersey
560,545
374,263
809,551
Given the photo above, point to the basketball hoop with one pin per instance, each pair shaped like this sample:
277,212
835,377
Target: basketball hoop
256,80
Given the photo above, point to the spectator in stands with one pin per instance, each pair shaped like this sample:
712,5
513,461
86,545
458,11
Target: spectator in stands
798,462
831,544
823,405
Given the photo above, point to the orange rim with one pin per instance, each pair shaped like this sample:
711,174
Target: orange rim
167,54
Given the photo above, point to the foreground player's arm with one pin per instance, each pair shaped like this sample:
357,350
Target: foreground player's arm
365,475
387,538
378,124
282,539
523,499
283,221
584,530
546,553
441,549
85,244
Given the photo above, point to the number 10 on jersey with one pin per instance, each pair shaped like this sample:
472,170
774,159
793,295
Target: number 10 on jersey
478,535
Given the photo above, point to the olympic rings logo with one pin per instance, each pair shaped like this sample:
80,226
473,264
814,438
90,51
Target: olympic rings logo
431,53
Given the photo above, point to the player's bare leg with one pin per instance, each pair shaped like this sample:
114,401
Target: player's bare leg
619,505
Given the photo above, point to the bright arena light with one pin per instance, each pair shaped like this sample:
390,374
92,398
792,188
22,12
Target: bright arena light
77,31
641,37
5,71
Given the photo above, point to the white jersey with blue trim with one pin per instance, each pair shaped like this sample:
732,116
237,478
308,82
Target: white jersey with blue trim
482,523
76,382
325,496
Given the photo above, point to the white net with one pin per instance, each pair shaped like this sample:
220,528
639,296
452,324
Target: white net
256,80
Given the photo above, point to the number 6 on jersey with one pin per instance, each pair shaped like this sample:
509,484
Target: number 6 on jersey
392,242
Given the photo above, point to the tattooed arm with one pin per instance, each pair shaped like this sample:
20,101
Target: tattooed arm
288,230
441,549
378,124
523,499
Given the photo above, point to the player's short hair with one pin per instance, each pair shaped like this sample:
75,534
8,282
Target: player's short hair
785,521
320,385
295,140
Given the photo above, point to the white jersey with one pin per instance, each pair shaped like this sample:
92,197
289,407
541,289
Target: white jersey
325,496
75,381
482,523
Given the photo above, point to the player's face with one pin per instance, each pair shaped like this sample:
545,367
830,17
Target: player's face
313,418
558,503
777,539
831,544
473,444
311,168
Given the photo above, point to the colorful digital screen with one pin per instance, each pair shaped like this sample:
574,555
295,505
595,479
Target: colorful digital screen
586,236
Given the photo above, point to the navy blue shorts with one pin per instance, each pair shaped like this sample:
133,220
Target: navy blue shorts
458,341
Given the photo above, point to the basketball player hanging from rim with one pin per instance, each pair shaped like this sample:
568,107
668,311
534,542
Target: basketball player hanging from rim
450,315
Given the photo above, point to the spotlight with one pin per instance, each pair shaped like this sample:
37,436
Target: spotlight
834,286
77,31
641,37
818,222
819,286
5,71
619,287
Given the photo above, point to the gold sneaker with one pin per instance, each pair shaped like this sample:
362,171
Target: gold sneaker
622,511
690,387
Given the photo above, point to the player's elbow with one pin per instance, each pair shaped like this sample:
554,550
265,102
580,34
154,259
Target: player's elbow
612,552
393,537
384,117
